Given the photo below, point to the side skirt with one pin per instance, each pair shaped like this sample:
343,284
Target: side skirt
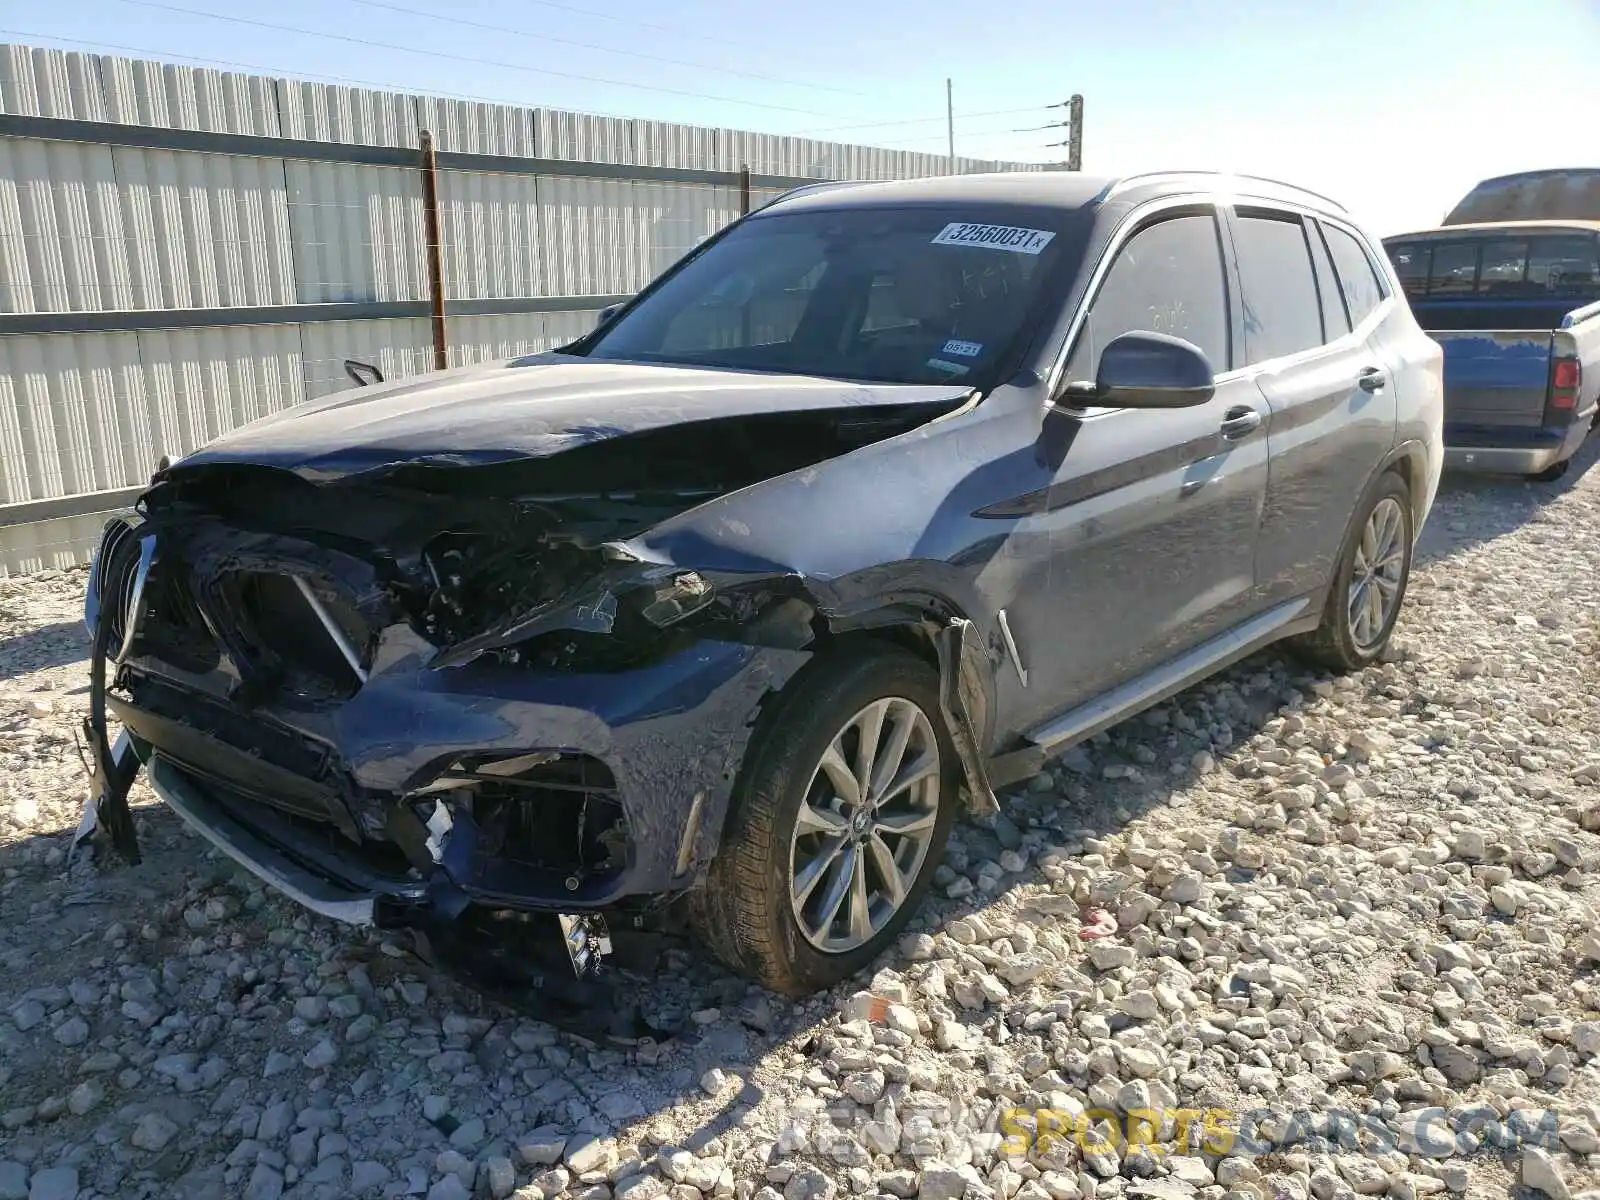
1075,725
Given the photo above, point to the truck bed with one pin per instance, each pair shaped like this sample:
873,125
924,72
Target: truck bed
1498,374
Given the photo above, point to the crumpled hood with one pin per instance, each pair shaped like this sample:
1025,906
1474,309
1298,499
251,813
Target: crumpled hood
526,408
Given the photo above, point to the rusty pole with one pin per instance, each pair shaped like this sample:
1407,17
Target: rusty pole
435,247
744,189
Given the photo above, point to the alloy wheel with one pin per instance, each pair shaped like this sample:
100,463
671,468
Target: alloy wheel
1376,573
865,825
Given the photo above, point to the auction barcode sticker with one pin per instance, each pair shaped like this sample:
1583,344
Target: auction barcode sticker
995,237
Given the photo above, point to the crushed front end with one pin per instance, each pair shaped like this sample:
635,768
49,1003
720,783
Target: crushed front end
402,705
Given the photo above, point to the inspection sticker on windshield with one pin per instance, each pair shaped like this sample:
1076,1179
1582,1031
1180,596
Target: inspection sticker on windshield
962,349
995,237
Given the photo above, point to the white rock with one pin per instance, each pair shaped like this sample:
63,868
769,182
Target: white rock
54,1183
941,1181
714,1081
1108,955
153,1131
585,1153
266,1183
1540,1172
542,1147
500,1176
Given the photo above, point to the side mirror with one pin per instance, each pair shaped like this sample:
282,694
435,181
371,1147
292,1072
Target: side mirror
364,374
606,314
1148,370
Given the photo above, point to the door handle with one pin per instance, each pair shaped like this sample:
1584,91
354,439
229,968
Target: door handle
1240,421
1372,379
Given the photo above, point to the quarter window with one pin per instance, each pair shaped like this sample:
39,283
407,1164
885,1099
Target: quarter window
1363,290
1167,278
1335,319
1281,311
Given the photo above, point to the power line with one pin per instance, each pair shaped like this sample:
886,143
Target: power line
292,73
1073,142
466,58
940,137
993,112
550,37
634,22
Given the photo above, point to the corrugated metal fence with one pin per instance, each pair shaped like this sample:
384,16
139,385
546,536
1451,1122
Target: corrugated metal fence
183,250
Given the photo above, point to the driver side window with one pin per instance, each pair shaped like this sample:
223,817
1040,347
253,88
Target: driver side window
1166,278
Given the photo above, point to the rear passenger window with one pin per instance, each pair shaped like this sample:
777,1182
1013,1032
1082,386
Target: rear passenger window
1454,270
1363,289
1167,278
1281,312
1504,263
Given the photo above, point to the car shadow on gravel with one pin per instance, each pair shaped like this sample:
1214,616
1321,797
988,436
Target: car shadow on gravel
1092,793
42,648
1472,509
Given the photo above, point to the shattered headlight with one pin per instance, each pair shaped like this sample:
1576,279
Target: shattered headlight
668,600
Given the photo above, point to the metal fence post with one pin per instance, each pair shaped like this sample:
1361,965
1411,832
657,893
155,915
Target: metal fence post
744,189
435,247
1075,134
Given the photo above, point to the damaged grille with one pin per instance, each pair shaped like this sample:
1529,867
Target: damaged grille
289,633
174,629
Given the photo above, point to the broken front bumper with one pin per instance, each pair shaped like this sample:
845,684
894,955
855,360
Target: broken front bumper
340,892
672,735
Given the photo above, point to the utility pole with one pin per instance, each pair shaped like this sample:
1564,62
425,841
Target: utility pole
1074,127
1075,133
950,123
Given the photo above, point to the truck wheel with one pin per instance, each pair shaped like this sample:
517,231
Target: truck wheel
838,819
1551,473
1369,582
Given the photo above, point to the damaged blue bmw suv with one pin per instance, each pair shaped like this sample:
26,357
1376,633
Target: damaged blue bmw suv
723,613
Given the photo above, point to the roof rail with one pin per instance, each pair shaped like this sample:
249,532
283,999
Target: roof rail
1149,176
802,188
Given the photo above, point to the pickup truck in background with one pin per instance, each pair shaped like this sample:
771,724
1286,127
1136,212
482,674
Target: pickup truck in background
1516,306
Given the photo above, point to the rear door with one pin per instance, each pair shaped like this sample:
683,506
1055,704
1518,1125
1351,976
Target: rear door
1330,393
1151,516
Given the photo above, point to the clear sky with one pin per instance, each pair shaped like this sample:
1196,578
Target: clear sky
1395,107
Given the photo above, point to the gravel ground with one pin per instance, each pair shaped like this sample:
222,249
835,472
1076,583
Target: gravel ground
1352,919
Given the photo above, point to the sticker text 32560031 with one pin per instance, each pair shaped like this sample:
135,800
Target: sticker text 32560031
994,237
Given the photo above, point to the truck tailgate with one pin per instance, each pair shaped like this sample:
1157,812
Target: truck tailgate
1495,377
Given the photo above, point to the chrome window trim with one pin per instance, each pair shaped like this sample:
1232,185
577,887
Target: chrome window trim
1222,206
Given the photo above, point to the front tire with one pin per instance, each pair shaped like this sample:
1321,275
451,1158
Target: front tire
1369,582
837,822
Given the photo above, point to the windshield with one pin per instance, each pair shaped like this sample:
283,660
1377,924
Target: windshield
922,296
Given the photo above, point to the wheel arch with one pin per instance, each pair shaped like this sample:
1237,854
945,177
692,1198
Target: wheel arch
931,627
1409,460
